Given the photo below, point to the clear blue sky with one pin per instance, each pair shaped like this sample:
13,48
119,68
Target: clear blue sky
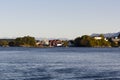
58,18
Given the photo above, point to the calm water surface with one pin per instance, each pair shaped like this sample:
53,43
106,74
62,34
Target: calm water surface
59,63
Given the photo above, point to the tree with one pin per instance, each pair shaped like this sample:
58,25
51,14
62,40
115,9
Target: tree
119,43
102,36
65,43
26,41
88,41
119,36
3,43
77,41
83,41
12,43
19,41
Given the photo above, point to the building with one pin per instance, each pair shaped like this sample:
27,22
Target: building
115,39
42,43
55,43
97,38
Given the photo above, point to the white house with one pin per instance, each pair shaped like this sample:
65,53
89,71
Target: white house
97,38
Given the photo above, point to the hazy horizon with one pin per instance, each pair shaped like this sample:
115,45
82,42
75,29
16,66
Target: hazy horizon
58,18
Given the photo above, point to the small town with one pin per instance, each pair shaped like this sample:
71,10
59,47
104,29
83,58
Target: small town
96,40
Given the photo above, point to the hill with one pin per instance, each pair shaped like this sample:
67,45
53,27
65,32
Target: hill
107,34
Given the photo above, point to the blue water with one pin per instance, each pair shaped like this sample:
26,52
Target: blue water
18,63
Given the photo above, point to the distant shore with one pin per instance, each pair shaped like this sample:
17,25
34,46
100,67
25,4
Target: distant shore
83,41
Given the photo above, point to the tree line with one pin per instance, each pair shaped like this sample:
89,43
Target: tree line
26,41
88,41
83,41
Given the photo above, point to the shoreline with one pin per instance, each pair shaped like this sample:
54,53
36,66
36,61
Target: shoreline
54,47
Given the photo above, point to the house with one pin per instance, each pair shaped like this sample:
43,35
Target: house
115,39
97,38
55,43
42,43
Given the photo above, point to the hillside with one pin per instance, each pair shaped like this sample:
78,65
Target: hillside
107,34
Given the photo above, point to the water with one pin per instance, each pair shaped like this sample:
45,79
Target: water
59,63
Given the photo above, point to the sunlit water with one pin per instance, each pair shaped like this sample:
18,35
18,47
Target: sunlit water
59,63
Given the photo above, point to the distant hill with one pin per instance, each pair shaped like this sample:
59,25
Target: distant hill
37,38
8,40
108,34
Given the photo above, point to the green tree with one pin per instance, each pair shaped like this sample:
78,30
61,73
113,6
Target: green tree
119,43
3,43
102,36
88,41
26,41
119,36
77,41
19,41
12,43
85,41
65,43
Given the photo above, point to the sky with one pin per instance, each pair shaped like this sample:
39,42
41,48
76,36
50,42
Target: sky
58,18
